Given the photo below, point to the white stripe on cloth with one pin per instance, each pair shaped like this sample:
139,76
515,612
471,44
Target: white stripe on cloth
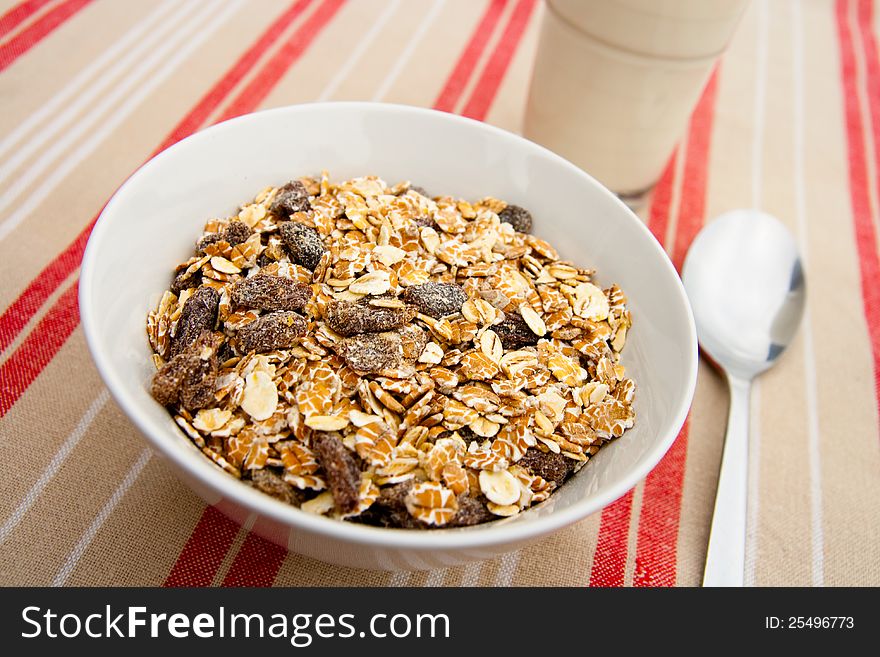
507,568
470,577
54,465
754,483
64,107
754,517
194,33
85,540
234,549
358,52
416,38
752,527
399,579
817,534
471,574
436,577
760,103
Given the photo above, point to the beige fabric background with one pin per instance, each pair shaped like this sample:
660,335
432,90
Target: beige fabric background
791,124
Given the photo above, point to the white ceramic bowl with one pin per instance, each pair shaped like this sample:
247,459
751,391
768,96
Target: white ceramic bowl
153,220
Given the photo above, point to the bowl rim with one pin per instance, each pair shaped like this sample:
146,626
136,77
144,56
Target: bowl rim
213,478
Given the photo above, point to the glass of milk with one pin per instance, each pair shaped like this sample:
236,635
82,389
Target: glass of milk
615,81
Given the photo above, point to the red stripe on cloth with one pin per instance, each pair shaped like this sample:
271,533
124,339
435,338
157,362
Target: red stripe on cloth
866,238
661,201
258,88
209,102
609,561
22,310
38,349
872,71
460,75
19,14
657,538
660,516
487,85
40,29
204,551
692,206
256,564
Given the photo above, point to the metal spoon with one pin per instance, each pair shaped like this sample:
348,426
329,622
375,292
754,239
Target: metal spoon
745,283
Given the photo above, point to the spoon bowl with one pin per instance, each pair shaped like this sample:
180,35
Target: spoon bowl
744,279
745,282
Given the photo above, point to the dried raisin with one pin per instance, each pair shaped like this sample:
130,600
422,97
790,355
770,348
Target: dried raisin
290,198
184,281
303,243
514,332
236,233
165,386
519,218
199,314
273,484
267,292
208,240
436,299
425,221
348,318
471,511
188,378
278,330
340,468
372,352
389,510
547,465
394,496
467,435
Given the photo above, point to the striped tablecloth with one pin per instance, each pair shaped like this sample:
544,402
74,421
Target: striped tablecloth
790,123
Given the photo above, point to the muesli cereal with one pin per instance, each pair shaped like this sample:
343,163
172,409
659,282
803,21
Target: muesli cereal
376,355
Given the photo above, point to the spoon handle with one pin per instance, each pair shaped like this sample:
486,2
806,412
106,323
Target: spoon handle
725,558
